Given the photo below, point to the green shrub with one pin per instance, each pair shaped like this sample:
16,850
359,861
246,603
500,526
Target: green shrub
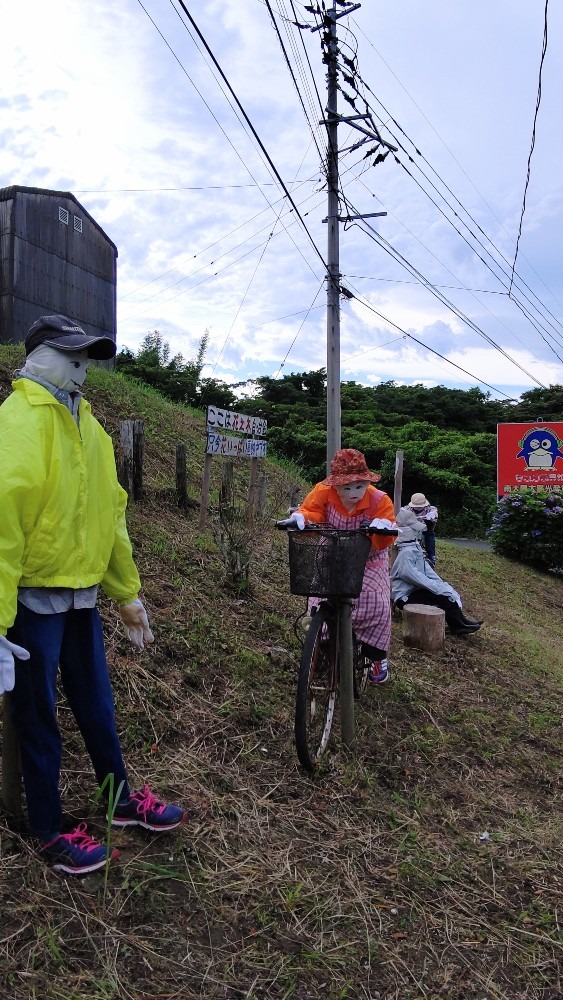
528,526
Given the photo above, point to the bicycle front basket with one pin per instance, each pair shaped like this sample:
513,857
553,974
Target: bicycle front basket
327,564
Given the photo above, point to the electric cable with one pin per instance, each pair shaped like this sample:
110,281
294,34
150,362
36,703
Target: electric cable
276,174
368,305
533,142
305,318
445,301
445,145
272,165
472,291
292,74
450,191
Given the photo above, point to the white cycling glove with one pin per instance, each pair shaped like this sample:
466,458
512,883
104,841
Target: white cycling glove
9,650
137,627
296,519
381,522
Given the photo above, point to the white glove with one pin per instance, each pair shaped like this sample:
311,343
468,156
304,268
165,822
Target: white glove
137,627
381,522
456,598
432,515
296,519
9,650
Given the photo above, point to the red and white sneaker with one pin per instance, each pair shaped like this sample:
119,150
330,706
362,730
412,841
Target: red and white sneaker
379,672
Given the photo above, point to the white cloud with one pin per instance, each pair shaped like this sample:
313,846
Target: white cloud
94,100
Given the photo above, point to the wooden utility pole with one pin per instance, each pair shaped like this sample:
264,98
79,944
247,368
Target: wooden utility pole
365,125
333,219
333,418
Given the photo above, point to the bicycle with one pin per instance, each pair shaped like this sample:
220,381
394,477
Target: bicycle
328,563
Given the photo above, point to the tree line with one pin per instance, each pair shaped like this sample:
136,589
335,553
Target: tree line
448,436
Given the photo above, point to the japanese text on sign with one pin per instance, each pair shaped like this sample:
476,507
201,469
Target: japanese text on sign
529,456
228,420
233,447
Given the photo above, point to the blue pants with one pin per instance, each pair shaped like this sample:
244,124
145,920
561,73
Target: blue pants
429,541
74,641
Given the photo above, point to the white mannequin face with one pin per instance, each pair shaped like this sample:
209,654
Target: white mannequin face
351,493
76,366
65,369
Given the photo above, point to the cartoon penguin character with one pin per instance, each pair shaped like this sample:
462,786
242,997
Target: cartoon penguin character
540,448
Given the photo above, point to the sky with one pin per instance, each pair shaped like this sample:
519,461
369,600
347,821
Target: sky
122,105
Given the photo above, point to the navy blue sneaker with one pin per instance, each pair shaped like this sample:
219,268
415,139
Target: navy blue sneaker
144,809
76,853
379,672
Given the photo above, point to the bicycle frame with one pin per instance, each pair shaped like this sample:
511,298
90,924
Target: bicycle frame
341,609
346,657
334,667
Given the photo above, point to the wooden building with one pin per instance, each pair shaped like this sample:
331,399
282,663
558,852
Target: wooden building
54,258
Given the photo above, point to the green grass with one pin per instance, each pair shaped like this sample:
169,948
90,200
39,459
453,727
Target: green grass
371,877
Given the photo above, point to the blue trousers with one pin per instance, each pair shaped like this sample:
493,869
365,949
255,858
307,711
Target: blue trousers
429,541
74,641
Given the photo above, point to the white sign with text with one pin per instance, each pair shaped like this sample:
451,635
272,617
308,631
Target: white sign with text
234,447
228,420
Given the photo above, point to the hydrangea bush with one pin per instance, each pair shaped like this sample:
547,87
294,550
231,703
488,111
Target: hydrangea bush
528,526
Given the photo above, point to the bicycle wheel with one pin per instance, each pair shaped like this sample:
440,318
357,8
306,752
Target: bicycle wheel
361,670
317,688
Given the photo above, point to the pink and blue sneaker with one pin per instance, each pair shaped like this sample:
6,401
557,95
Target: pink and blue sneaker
144,809
76,853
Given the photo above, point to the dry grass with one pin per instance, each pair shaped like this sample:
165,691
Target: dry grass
425,864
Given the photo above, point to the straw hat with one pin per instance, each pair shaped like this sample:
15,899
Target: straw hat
349,466
418,500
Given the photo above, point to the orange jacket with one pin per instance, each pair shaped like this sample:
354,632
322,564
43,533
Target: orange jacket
374,503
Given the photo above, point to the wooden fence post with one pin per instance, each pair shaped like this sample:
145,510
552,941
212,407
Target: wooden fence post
261,494
132,446
252,486
397,494
205,491
227,492
11,770
181,478
138,459
294,498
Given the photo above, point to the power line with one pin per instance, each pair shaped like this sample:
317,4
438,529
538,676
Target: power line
449,190
472,292
193,187
450,305
305,318
212,113
292,74
368,305
253,130
533,142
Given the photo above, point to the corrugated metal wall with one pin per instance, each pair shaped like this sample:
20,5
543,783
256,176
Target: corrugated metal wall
54,258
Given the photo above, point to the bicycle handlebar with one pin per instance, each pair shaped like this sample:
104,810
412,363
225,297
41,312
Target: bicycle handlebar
326,528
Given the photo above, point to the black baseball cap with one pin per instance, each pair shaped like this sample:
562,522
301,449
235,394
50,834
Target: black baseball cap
67,335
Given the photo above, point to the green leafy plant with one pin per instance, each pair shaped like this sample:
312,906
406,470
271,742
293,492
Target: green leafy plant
112,800
528,526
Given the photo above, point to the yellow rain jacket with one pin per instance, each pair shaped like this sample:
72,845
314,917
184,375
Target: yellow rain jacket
62,510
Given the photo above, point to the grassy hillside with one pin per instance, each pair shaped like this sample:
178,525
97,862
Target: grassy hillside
425,864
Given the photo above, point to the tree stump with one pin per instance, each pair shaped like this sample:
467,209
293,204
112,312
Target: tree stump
424,627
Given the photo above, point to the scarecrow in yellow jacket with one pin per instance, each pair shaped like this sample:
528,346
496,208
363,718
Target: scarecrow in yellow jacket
347,499
63,534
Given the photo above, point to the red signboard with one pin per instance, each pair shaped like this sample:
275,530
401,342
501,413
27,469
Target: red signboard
529,456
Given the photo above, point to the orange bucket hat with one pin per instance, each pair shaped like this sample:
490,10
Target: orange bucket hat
349,466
